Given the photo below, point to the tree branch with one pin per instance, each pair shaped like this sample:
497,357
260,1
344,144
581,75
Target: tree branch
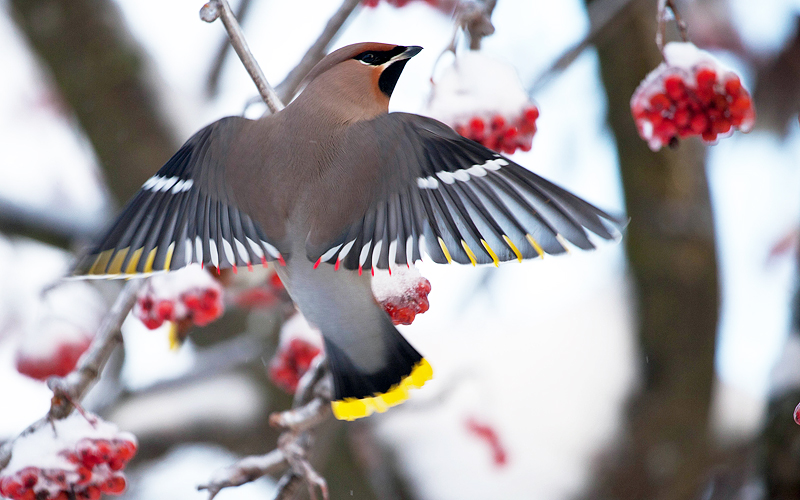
603,14
58,228
220,9
665,9
99,69
288,87
245,471
476,20
212,84
311,407
69,390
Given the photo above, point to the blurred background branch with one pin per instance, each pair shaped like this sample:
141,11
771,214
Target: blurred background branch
672,257
103,75
290,85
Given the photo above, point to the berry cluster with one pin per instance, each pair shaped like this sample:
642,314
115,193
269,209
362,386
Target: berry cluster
58,329
443,5
189,296
291,362
96,469
266,294
484,100
402,294
71,468
501,134
63,358
299,344
690,94
403,309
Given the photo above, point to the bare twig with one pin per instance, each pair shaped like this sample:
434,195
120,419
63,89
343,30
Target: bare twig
289,486
245,471
73,387
306,384
220,9
476,20
315,390
212,84
602,15
666,11
75,384
288,87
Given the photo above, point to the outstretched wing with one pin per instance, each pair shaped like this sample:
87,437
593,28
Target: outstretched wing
453,198
183,214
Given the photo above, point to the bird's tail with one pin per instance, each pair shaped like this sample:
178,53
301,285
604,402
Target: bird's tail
358,392
373,366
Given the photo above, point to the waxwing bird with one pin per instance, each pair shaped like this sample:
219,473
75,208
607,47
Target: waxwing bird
332,187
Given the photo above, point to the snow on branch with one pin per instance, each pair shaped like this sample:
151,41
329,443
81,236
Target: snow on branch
69,390
668,12
220,9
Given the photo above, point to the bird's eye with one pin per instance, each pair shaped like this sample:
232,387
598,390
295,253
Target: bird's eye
368,58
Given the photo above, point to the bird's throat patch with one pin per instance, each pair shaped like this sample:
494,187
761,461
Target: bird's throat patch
390,75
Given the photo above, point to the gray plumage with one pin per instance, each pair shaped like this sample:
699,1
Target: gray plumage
335,178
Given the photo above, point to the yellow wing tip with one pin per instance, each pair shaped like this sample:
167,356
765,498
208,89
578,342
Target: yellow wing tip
470,253
351,408
491,253
535,245
513,247
445,251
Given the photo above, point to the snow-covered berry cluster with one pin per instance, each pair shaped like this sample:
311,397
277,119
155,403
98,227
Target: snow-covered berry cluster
403,294
187,296
265,293
299,344
72,459
483,100
501,134
690,93
60,330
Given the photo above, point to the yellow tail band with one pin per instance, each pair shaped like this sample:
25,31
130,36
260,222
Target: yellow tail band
352,408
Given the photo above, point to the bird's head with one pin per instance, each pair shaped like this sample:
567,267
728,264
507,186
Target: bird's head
363,73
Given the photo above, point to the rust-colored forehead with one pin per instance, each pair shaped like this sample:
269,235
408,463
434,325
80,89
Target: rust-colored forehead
353,50
343,54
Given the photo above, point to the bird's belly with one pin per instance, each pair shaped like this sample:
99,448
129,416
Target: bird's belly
339,303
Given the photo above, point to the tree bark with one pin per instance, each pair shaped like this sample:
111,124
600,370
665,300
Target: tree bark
671,252
97,68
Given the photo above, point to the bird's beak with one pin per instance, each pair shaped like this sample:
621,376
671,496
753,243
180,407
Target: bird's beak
408,53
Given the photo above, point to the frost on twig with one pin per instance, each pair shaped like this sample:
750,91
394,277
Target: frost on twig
69,390
475,18
310,408
244,471
220,9
667,12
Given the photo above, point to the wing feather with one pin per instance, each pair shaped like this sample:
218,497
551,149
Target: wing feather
458,201
185,213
